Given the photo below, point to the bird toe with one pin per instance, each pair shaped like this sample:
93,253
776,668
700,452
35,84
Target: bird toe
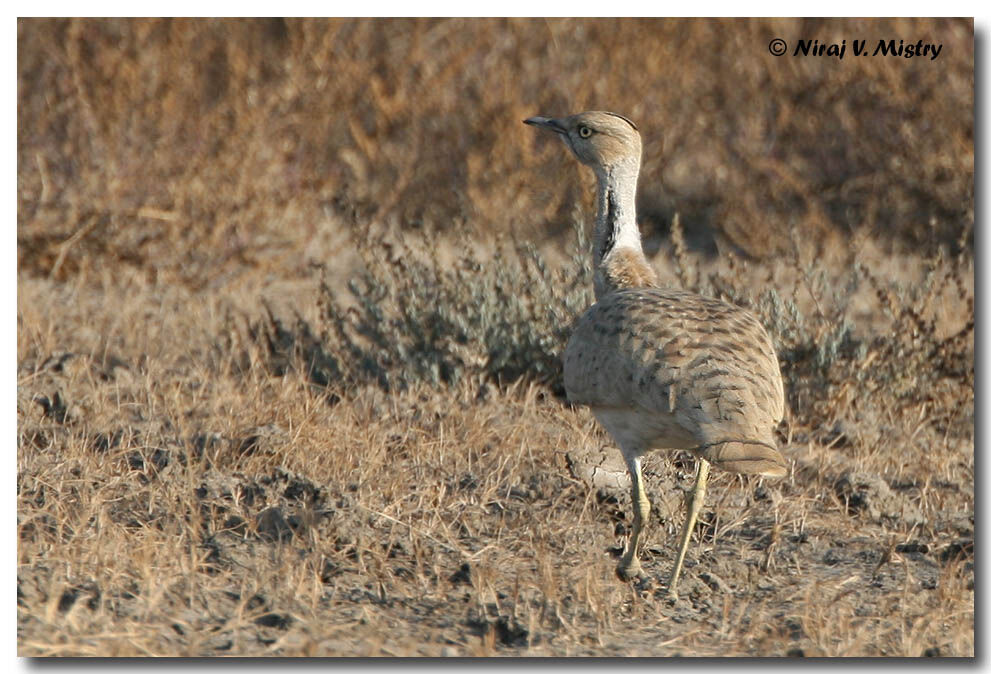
630,572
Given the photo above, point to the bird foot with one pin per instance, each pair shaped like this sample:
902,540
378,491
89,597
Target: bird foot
630,571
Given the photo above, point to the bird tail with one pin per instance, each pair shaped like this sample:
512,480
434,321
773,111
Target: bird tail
750,457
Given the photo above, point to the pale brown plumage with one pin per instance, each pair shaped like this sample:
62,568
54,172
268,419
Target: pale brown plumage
662,368
670,353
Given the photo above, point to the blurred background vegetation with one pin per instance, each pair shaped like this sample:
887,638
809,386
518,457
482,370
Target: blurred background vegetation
196,150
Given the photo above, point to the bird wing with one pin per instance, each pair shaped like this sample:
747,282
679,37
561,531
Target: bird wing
708,364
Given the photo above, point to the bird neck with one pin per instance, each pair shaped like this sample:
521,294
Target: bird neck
618,253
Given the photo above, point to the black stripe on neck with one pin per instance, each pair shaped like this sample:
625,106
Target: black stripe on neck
611,217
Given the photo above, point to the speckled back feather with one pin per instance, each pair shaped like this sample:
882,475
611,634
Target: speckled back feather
706,365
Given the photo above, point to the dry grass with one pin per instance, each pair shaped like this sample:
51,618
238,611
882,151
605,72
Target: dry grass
224,449
196,170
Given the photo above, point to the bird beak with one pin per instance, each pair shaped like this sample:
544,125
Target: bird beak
546,123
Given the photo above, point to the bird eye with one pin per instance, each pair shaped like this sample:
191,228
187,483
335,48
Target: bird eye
584,131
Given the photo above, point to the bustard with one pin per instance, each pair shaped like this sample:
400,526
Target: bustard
662,368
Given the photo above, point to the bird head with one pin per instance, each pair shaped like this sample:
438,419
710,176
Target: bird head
598,139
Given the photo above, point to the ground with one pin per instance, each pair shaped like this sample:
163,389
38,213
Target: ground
171,505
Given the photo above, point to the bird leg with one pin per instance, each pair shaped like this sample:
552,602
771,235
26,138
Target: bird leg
694,506
629,565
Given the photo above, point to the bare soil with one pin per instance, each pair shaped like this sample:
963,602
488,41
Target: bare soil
169,506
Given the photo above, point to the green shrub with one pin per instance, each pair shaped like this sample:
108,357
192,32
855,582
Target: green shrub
411,317
414,319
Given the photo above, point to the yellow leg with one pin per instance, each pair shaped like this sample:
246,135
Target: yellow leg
694,506
629,565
